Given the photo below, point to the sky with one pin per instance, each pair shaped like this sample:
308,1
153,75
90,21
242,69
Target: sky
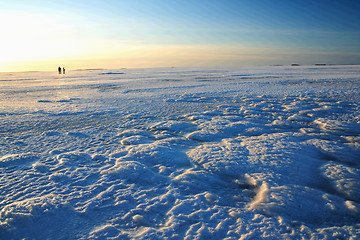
40,35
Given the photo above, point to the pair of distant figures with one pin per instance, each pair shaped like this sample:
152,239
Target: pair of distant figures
63,70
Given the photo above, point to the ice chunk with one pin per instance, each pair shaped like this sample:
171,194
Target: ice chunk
352,206
210,197
234,214
138,219
261,196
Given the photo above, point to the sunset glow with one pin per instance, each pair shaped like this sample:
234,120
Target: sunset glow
115,34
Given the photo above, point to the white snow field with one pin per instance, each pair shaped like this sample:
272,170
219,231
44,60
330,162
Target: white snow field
181,153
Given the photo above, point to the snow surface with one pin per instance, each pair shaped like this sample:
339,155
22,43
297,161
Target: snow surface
181,153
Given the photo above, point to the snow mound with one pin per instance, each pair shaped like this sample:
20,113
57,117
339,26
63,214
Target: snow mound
40,167
225,158
135,132
51,133
74,158
31,213
205,135
279,157
133,171
199,179
338,126
345,179
60,177
28,210
299,202
159,152
107,231
172,126
218,128
337,151
135,140
13,160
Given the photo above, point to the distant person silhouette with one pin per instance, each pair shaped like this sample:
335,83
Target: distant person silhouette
59,69
63,70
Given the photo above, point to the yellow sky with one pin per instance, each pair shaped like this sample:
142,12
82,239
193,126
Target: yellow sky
41,35
139,56
42,42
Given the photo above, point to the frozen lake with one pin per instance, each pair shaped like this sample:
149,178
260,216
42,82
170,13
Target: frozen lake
181,153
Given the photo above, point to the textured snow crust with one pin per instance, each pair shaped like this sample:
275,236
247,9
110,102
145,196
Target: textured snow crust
181,153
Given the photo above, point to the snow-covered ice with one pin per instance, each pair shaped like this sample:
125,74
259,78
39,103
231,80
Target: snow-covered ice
181,153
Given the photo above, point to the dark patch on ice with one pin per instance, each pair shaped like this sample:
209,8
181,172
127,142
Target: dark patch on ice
52,133
207,78
68,113
19,79
171,80
323,184
240,75
160,89
68,100
107,87
110,73
78,134
349,160
328,157
257,77
20,143
245,185
103,113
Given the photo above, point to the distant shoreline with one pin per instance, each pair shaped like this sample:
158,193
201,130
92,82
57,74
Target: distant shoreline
274,65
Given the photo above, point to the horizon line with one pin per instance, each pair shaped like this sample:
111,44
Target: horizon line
244,65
